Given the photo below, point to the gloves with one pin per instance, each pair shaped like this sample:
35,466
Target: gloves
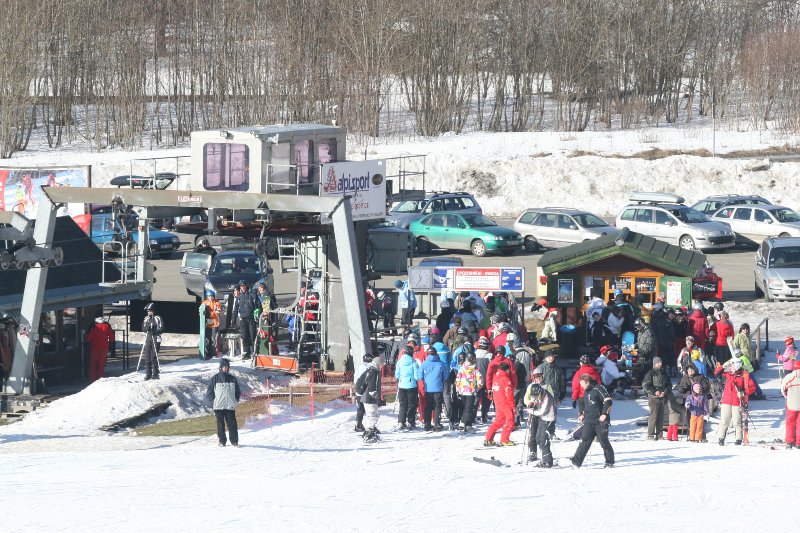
574,404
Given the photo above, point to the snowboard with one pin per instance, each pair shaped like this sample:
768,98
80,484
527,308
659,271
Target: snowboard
202,331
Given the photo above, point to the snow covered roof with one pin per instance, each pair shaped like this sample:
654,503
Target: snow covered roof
667,257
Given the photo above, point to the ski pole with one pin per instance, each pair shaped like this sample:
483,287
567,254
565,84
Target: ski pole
141,353
525,442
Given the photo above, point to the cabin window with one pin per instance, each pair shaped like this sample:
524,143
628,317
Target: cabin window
226,167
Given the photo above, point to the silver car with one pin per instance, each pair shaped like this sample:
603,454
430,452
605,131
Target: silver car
676,224
555,227
753,224
406,212
777,269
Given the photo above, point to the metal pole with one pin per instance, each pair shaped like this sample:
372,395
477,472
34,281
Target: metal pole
714,123
19,380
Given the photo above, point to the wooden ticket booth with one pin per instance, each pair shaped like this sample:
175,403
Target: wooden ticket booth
627,261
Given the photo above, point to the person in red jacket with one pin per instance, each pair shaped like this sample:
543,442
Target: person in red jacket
503,394
419,355
738,389
724,329
577,390
494,365
100,337
697,325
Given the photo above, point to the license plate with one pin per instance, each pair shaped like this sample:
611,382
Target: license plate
795,293
166,247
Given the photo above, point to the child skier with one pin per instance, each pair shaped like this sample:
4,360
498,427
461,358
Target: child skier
789,355
468,381
543,411
697,406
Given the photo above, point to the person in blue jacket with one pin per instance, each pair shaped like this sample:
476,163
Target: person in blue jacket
407,302
407,372
434,377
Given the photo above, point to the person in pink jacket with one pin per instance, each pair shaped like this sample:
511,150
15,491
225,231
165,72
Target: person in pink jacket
790,388
789,355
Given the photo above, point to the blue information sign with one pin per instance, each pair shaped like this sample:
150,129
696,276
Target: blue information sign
512,279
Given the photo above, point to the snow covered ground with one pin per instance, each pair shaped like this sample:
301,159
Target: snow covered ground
294,474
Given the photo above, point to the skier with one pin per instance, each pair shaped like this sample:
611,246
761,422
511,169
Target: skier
658,387
697,406
434,377
577,391
468,382
543,411
738,388
789,355
553,376
407,372
370,388
503,396
246,304
223,391
724,330
790,389
365,361
100,337
152,326
213,309
596,420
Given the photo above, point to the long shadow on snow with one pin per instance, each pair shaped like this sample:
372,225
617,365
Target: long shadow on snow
672,459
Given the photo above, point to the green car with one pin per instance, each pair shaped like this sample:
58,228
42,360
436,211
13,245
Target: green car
474,232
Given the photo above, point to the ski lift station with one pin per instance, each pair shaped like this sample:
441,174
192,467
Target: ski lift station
289,188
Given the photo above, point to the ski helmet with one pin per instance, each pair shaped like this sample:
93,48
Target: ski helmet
483,343
223,363
431,350
536,389
462,331
584,359
210,293
638,324
500,350
367,358
736,364
789,340
409,350
719,306
494,319
444,304
617,292
150,307
538,371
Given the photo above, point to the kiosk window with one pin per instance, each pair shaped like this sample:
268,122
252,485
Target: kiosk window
226,167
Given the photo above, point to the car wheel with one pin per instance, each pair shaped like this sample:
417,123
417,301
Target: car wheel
686,242
423,245
478,248
759,292
272,248
531,245
784,234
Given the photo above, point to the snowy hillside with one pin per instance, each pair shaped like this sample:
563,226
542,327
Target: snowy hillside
294,474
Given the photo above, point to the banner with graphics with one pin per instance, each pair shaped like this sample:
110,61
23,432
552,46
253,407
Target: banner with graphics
363,181
20,188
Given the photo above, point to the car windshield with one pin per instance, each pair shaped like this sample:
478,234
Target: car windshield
478,221
788,257
785,215
409,206
589,220
237,264
688,215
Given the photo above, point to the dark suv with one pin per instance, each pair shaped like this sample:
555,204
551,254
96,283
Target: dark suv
712,204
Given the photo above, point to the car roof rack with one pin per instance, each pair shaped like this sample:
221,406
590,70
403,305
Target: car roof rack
655,198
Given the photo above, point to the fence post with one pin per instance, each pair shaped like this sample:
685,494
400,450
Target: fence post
312,391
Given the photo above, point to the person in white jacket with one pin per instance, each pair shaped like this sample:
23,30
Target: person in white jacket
549,329
610,374
790,389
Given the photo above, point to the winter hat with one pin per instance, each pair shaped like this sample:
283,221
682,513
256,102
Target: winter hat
100,320
538,370
613,356
656,360
224,363
697,388
398,284
736,363
500,350
431,350
409,350
549,353
604,349
434,331
789,340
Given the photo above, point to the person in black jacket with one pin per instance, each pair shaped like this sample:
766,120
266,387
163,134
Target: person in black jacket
371,397
246,304
657,385
595,419
223,391
152,326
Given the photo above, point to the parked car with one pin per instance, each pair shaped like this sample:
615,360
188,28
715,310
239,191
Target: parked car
712,204
222,273
754,224
555,227
442,261
404,213
102,228
777,269
665,217
454,231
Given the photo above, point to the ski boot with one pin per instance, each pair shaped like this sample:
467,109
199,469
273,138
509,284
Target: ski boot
462,428
790,446
608,465
532,457
722,442
370,436
359,428
574,462
738,442
489,444
542,464
508,443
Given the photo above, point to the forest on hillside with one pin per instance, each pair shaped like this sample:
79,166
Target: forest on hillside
117,73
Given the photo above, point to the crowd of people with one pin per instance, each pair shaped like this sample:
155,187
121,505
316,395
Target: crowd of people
478,356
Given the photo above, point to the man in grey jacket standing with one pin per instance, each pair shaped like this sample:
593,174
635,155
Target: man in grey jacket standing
223,392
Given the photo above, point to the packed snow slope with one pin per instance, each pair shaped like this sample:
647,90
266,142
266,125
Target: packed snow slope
295,474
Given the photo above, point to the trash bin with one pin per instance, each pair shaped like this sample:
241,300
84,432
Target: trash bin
569,341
